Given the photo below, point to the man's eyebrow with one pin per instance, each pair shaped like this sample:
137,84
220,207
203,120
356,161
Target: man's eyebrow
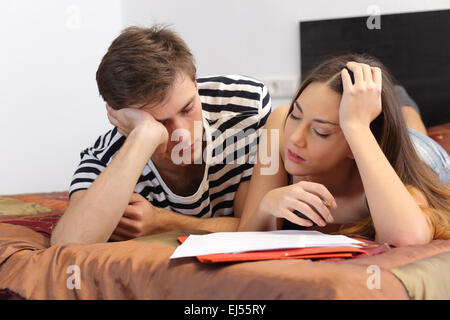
316,120
181,109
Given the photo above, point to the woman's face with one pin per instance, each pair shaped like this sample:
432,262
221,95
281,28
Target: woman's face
313,141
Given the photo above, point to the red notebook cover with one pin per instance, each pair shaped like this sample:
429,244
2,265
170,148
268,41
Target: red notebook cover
300,253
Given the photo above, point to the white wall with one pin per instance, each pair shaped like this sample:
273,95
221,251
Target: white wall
49,103
259,38
50,50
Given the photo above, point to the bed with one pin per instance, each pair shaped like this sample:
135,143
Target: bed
141,268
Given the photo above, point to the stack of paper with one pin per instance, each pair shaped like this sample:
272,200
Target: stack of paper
236,242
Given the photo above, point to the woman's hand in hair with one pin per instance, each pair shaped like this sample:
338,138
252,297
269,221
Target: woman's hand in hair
309,198
361,101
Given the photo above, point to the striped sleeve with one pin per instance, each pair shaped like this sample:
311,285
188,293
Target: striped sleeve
266,107
95,159
264,110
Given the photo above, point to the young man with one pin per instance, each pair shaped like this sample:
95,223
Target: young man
181,149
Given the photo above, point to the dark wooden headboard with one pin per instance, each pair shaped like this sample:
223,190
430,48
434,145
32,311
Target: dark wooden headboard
414,46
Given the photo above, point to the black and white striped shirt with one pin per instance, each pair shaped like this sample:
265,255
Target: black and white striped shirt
234,109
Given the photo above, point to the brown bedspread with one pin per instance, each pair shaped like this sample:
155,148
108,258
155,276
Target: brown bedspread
141,269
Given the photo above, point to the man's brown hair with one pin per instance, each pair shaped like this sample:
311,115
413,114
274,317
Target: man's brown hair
141,66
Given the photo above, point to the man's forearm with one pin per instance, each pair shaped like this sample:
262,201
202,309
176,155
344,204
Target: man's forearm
93,217
170,221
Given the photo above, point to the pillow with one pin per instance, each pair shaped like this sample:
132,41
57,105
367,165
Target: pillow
10,206
441,134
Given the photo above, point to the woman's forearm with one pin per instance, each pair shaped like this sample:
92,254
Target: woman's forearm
397,217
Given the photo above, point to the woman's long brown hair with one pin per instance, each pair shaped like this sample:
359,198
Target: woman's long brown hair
390,130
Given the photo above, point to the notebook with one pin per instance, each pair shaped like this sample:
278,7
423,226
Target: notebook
269,245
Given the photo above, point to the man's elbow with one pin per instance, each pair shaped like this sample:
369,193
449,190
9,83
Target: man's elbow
57,238
61,237
54,241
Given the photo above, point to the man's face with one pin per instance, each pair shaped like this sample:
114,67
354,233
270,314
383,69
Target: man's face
180,113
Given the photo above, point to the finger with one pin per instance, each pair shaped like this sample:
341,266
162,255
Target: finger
306,210
321,191
109,109
115,237
121,131
367,72
136,197
377,77
346,79
119,231
317,204
131,212
128,224
292,217
357,72
112,120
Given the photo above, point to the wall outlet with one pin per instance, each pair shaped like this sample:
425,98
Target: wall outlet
281,87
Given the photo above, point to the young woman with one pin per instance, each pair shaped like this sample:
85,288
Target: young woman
347,162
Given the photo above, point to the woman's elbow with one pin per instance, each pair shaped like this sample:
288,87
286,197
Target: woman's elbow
421,237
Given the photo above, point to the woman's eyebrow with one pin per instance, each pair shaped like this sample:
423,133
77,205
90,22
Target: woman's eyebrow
316,120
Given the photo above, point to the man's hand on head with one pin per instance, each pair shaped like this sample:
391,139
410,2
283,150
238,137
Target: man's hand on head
128,119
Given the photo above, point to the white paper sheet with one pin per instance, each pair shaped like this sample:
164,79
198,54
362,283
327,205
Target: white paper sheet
228,242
